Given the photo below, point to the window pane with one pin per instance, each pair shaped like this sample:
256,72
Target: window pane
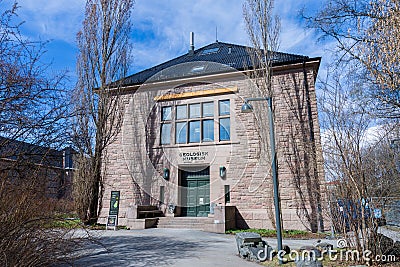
224,107
194,132
166,133
227,194
194,111
162,194
224,129
208,130
181,129
208,109
166,114
181,112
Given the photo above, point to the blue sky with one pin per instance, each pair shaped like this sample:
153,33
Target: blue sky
161,28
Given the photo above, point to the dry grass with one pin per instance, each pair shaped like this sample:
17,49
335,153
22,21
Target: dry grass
30,232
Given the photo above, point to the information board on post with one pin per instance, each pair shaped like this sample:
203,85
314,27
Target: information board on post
112,220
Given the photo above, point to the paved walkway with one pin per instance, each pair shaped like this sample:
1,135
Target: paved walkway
162,247
168,247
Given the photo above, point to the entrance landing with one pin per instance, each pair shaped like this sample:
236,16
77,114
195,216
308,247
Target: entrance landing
198,223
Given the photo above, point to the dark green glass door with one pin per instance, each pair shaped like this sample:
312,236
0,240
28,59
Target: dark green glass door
196,193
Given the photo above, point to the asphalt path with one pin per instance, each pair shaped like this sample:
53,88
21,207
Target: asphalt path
172,247
160,247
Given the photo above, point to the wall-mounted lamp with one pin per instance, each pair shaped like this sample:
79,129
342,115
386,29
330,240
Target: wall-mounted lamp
222,172
166,173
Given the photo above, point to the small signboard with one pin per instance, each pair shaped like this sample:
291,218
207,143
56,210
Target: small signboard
112,222
193,156
112,219
114,203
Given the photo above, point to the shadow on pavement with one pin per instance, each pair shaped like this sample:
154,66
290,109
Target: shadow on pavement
136,251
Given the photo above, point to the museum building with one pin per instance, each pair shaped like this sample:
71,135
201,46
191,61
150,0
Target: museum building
186,156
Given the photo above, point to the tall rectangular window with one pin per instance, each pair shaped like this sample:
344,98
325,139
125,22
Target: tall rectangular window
166,127
224,129
181,112
208,109
224,120
224,107
166,133
208,130
162,193
227,194
181,132
194,131
194,111
166,113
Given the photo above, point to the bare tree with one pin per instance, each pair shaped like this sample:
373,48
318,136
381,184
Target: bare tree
33,113
380,52
366,32
32,106
104,51
360,94
361,166
263,28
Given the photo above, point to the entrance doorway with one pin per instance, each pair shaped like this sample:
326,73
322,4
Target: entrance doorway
195,193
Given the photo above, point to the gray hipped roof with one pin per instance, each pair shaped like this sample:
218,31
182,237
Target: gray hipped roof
214,58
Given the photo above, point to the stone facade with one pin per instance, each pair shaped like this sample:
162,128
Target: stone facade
135,162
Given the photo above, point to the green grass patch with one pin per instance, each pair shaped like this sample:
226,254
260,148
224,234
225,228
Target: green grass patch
64,223
299,234
99,226
69,223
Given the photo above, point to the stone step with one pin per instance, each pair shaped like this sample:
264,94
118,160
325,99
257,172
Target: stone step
184,222
196,227
183,225
186,219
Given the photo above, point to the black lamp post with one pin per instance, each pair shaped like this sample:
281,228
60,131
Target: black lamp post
247,108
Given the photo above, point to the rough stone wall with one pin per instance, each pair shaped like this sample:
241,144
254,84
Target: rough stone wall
50,182
135,160
299,149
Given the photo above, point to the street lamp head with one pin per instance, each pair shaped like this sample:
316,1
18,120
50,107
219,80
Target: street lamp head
246,108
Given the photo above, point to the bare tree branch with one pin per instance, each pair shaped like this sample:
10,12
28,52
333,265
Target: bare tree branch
104,51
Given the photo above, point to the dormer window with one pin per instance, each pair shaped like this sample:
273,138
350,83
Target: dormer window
209,51
197,69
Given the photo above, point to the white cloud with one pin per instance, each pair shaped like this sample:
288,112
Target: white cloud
161,28
171,22
59,19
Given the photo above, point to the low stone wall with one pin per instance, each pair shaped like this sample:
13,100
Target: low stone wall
51,182
392,213
139,224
